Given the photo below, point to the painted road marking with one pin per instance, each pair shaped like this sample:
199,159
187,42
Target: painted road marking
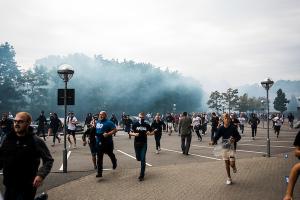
259,152
62,165
191,154
262,145
132,157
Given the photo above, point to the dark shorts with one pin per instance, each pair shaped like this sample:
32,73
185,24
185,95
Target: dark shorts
71,132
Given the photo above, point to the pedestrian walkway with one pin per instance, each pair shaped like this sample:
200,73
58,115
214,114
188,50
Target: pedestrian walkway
257,178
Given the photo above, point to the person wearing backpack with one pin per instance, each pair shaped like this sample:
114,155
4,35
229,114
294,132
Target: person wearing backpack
20,155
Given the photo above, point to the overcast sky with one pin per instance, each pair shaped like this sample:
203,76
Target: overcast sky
218,42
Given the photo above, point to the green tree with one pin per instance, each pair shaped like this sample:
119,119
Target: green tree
255,104
35,82
230,99
11,97
243,104
246,103
215,100
280,101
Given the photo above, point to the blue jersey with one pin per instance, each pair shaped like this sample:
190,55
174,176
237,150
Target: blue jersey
104,126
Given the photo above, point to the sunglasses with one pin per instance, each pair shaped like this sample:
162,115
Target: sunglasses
19,121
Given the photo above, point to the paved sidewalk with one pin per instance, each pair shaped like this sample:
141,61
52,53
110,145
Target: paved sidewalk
257,178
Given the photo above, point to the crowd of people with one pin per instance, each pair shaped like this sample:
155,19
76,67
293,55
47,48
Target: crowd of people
18,139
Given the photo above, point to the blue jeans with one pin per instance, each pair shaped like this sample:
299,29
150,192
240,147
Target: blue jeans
186,143
140,153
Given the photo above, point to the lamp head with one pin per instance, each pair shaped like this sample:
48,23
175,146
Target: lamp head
65,72
267,83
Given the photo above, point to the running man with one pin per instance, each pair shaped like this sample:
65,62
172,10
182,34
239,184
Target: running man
229,135
140,130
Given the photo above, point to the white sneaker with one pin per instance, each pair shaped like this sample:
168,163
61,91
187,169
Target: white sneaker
229,181
159,149
157,152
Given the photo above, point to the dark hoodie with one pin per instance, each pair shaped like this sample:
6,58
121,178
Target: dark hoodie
20,159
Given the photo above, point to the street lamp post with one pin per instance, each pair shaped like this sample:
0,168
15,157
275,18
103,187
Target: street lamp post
174,107
65,72
267,84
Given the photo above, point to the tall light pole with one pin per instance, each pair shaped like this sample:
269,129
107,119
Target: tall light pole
174,108
65,72
267,84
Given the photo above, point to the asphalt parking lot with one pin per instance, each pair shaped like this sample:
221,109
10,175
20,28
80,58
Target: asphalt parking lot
80,164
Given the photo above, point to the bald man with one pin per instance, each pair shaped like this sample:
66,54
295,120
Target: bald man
104,142
20,155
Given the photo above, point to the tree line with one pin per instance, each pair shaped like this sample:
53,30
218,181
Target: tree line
230,101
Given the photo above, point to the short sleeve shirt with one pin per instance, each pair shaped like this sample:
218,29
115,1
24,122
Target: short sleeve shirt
71,123
142,129
103,126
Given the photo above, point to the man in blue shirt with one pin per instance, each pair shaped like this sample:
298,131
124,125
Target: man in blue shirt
104,142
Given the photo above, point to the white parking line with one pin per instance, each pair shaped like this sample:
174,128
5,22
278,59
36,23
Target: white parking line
259,152
291,141
132,157
271,136
263,145
284,141
62,165
191,154
246,140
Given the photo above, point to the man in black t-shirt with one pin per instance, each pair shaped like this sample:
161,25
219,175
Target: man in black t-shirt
254,121
140,130
42,125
